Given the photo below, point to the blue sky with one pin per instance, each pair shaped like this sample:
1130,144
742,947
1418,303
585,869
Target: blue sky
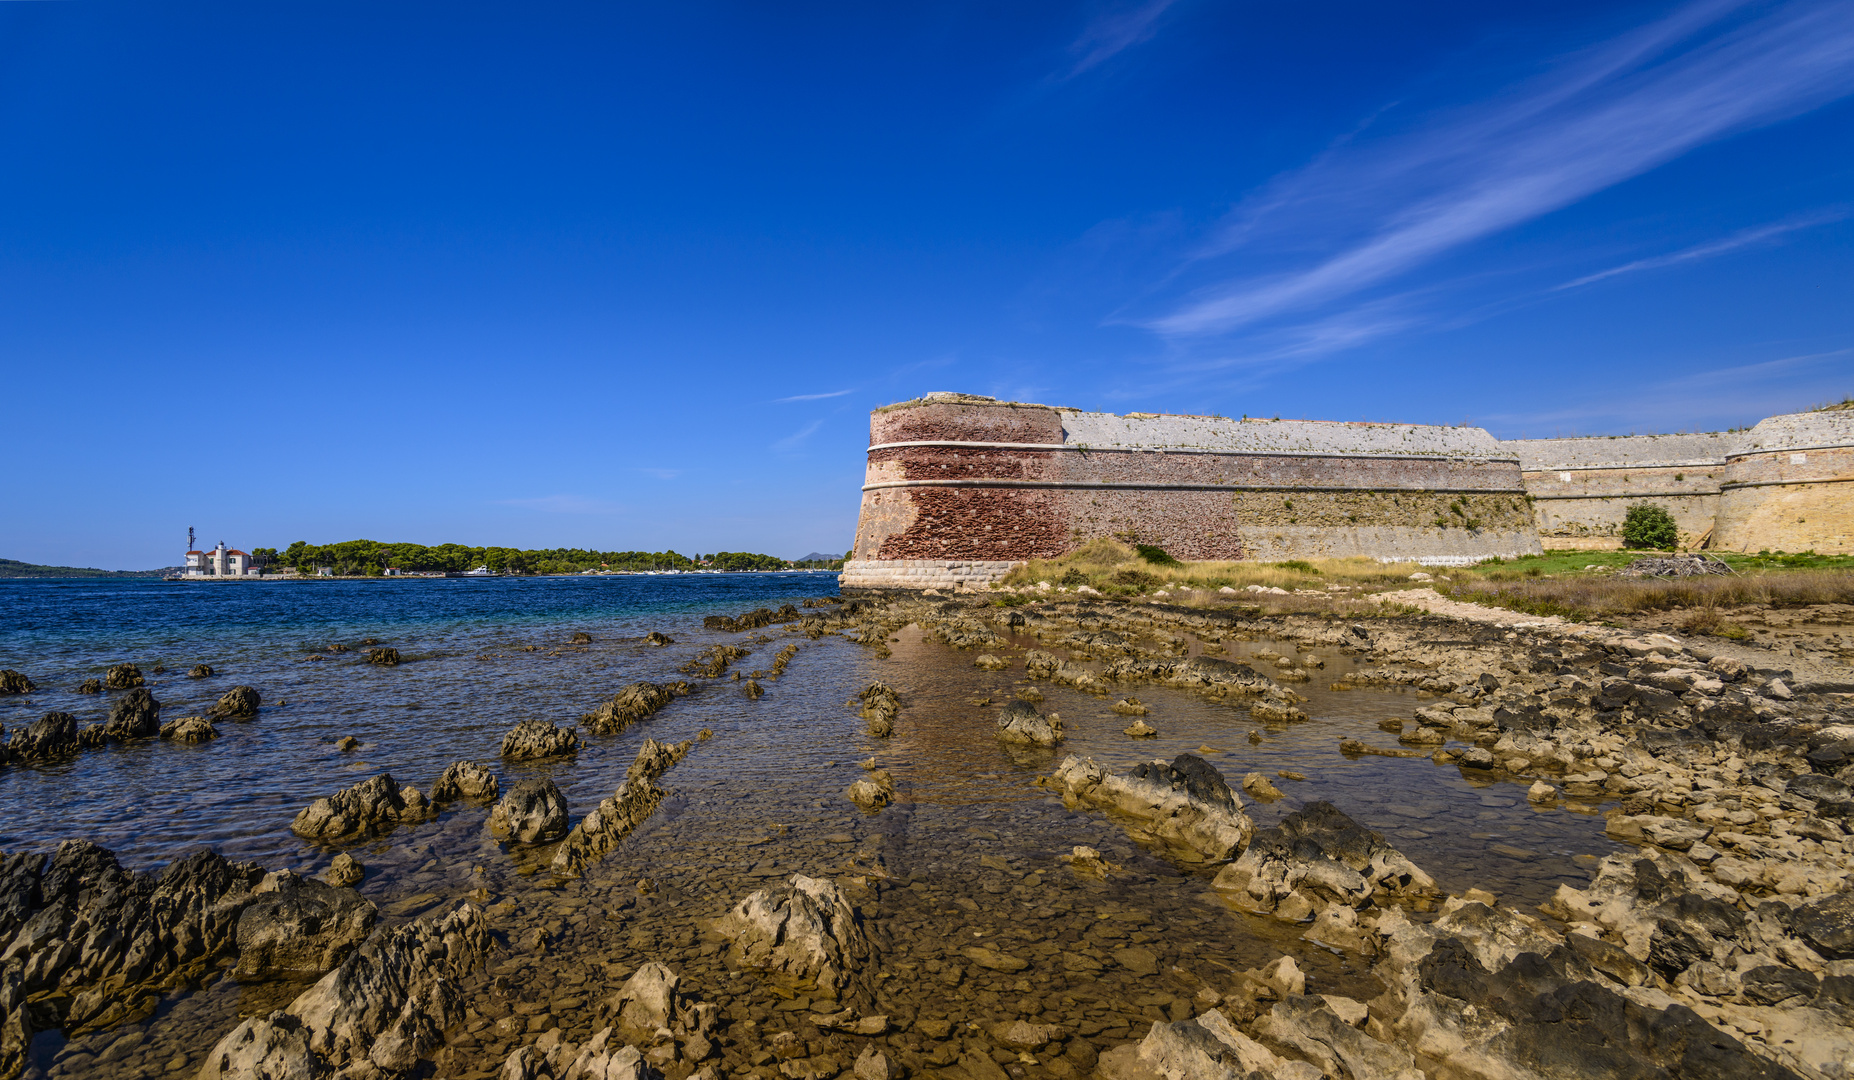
628,277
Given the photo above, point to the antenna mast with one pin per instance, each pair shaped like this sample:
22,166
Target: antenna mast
191,544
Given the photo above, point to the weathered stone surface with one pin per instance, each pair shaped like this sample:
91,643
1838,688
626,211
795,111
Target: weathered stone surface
386,1009
238,703
532,739
1828,926
122,677
658,639
873,793
136,715
1312,1029
533,812
1322,851
52,735
344,870
383,657
881,705
614,818
371,807
93,944
299,928
638,701
465,780
1020,723
12,682
200,671
90,686
804,930
1185,806
189,729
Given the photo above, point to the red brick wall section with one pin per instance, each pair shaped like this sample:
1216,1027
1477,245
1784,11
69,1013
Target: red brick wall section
966,423
980,523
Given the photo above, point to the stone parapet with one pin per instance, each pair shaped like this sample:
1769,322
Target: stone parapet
921,573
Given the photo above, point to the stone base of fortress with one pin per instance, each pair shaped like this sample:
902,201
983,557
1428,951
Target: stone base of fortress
946,574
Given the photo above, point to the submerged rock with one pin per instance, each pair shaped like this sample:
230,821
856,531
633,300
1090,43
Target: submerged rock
122,677
94,946
189,729
638,701
873,793
344,870
385,1009
881,705
465,780
614,819
12,682
136,715
804,931
371,807
1132,706
532,739
90,686
1319,850
658,639
200,671
384,657
238,703
1139,729
52,735
300,928
1185,806
533,812
1020,723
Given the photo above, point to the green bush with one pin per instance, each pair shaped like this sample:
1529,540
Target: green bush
1649,528
1155,555
1073,577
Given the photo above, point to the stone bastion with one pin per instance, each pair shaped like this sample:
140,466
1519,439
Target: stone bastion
959,488
1780,486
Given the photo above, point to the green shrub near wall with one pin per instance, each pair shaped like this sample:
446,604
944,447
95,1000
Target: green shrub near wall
1647,527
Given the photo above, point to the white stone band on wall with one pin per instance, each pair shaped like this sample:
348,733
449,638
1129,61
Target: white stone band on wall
921,573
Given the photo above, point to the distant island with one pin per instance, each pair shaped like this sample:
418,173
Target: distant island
13,568
372,558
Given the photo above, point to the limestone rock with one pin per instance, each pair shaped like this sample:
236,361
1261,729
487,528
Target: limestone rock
383,657
1021,724
534,812
90,686
1312,1029
465,780
802,931
874,793
238,703
1207,1048
1185,806
369,808
881,705
614,818
988,662
12,682
1131,706
200,671
1320,850
344,870
580,637
189,729
52,735
1139,729
532,739
385,1009
136,715
638,701
1260,786
122,677
305,928
658,639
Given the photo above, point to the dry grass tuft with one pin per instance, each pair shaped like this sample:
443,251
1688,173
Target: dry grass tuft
1117,570
1593,596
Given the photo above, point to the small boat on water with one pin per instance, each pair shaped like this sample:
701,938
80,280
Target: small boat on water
481,571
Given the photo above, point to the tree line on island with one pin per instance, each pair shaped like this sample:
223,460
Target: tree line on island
371,558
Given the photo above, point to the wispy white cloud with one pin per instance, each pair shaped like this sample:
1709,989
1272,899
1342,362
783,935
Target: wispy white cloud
797,438
813,397
1113,32
565,504
1385,207
1739,239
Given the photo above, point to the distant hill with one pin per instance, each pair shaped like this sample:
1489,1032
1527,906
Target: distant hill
12,568
819,556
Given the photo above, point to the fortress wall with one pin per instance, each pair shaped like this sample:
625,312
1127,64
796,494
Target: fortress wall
998,482
1791,488
1582,488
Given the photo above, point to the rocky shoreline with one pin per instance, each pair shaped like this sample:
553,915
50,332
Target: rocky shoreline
1720,944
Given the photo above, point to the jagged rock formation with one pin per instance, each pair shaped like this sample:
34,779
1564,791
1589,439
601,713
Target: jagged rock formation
296,928
122,677
533,812
1185,807
634,801
638,701
384,1011
369,808
238,703
532,739
383,657
136,715
52,735
93,945
1020,723
802,931
12,682
189,729
881,705
465,780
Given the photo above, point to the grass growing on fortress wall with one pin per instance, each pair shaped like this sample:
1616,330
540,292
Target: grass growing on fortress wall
1116,569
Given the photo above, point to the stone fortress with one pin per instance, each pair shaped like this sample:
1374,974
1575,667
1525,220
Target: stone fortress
959,488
